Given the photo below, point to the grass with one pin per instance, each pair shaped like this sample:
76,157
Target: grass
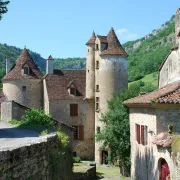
101,170
150,78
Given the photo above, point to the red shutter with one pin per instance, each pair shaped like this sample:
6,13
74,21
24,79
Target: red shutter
81,132
138,133
142,134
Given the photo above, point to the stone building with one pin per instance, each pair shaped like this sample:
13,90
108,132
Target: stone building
74,97
152,155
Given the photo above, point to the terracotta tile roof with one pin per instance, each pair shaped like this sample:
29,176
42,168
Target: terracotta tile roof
102,39
16,71
114,46
92,39
163,139
57,85
169,94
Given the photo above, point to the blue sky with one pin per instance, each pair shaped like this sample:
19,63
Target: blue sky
61,28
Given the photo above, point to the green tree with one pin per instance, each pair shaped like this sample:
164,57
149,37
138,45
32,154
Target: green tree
3,7
116,136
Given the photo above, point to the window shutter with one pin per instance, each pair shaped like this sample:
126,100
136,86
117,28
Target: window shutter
81,132
138,133
73,109
142,135
145,135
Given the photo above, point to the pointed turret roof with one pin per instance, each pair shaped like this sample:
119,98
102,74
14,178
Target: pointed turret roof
114,46
17,73
92,39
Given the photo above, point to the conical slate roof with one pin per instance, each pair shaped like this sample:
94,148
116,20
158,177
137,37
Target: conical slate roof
17,70
92,39
114,46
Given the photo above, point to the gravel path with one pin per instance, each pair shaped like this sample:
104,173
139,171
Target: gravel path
13,136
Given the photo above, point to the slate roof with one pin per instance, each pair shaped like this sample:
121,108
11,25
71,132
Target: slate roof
169,94
92,39
16,71
114,46
57,84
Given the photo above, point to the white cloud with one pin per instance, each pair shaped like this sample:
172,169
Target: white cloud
126,35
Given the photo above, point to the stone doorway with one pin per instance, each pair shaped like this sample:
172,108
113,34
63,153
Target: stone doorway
104,157
164,172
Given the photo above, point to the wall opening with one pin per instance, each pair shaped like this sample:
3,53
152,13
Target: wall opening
164,172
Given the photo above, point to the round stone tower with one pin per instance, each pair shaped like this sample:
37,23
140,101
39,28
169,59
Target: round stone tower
111,76
23,83
90,68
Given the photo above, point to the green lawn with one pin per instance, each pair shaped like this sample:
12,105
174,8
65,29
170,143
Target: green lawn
101,170
150,78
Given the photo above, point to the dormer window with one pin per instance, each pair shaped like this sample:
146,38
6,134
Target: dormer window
73,91
26,69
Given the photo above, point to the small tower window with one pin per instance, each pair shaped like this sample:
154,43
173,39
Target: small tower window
97,46
97,64
97,88
24,88
98,129
97,103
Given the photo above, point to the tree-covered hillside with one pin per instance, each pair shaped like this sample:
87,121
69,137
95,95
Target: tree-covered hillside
145,54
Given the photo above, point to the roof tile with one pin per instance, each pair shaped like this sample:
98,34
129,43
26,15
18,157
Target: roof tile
114,46
57,85
16,71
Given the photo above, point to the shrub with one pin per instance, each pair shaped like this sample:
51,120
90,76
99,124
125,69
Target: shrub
76,159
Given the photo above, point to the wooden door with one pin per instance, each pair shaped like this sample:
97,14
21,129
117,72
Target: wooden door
165,173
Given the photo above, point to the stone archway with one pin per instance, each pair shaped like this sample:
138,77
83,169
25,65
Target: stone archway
164,172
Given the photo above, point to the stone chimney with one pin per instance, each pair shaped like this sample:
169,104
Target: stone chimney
49,65
8,64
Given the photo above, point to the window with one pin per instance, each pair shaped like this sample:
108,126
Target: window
97,46
97,64
26,69
76,132
79,132
97,103
24,88
73,109
73,91
141,134
98,129
97,88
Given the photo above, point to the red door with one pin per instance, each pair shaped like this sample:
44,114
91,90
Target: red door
165,173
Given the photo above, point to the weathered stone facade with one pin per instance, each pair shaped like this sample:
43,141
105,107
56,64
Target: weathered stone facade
36,161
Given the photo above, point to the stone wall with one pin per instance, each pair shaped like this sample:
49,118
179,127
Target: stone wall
41,160
60,110
145,159
28,92
170,71
12,110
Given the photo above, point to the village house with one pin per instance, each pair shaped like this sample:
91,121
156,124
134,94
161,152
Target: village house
75,97
153,117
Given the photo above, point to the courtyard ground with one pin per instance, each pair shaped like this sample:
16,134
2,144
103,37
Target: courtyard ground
103,172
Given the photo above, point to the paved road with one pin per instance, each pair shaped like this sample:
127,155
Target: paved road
13,136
